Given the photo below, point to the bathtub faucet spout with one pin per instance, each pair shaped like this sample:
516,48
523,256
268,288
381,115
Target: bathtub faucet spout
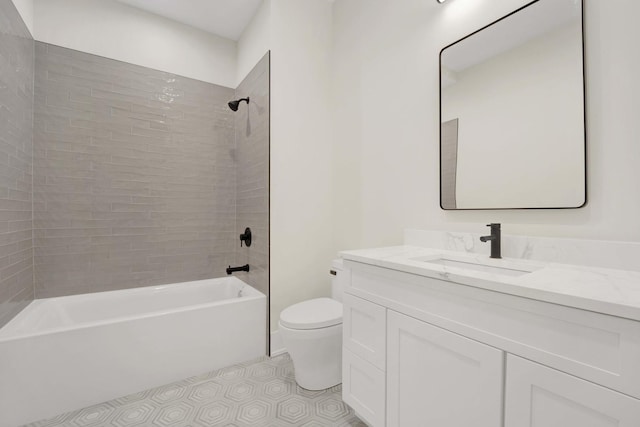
234,269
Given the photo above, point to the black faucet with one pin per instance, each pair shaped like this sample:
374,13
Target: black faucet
495,240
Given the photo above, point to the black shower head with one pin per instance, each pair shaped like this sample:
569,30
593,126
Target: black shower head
234,104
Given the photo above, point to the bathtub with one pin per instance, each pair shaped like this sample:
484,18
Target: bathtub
62,354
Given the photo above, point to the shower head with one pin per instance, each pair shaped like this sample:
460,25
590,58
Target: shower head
234,104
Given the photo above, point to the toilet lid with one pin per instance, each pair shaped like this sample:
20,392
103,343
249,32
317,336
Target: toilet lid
312,314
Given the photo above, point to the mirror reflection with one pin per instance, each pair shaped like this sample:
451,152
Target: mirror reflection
512,112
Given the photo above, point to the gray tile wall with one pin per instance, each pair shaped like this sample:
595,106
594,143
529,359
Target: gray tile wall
252,139
134,179
16,162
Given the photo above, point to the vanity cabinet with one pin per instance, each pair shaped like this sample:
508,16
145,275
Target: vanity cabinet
537,396
438,378
420,351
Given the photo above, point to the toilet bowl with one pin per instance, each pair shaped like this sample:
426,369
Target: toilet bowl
312,335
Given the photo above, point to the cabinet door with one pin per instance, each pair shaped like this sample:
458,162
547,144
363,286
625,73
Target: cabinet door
440,379
537,396
363,329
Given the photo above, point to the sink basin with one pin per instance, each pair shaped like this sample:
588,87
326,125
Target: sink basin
474,266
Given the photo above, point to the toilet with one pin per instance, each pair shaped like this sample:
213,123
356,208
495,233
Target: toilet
312,334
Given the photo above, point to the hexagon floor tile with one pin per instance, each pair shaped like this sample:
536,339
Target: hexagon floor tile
259,393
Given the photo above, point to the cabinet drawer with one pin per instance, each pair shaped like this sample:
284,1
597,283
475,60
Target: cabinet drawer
599,348
363,388
537,396
364,329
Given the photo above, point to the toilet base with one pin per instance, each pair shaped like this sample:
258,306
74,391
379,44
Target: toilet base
316,355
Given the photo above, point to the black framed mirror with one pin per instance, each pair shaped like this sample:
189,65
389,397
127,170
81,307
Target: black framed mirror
512,112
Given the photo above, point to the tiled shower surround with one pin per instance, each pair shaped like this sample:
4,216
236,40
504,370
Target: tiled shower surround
16,152
134,175
252,129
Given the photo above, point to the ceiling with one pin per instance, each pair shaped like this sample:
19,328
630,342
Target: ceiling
226,18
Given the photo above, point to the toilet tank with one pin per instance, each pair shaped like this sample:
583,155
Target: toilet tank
339,275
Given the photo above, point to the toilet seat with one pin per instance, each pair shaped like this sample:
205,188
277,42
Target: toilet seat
312,314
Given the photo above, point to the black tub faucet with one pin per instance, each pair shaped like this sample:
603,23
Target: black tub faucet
231,270
495,240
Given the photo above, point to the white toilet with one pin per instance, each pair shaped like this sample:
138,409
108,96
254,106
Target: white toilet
312,334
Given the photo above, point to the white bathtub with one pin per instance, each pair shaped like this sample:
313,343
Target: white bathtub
61,354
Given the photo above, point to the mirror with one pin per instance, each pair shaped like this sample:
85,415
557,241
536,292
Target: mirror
512,112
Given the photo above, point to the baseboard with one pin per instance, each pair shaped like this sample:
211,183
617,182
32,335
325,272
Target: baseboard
277,346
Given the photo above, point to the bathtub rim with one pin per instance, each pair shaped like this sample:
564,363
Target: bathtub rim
5,336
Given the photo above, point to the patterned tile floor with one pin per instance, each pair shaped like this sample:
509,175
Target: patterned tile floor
261,393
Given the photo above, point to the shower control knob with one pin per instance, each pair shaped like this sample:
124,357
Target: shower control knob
246,237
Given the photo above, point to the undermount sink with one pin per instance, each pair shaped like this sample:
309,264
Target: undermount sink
474,266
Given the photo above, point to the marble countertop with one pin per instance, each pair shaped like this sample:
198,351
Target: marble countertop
602,290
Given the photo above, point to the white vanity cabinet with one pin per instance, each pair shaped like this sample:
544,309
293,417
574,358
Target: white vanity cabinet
419,351
438,378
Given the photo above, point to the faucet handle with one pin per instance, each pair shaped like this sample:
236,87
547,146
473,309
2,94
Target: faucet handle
246,237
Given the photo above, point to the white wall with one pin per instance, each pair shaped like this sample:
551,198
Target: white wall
385,107
254,42
301,152
114,30
25,9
